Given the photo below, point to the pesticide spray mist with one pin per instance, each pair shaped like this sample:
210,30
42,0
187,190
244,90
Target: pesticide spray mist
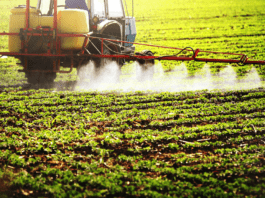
154,79
95,78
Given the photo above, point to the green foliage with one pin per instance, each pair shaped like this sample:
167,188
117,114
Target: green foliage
189,141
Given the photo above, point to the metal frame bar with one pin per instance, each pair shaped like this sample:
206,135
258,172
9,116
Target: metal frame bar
55,15
27,13
135,57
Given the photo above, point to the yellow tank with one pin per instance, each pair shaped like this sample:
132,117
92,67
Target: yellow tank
17,20
73,21
46,21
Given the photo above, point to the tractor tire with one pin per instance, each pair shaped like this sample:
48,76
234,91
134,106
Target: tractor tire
40,77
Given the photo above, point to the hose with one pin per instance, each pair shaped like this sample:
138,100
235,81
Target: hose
134,57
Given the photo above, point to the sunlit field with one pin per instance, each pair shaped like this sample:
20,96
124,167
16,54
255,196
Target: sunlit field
190,130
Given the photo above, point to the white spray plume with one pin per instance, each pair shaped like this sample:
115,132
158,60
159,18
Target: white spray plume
156,80
93,78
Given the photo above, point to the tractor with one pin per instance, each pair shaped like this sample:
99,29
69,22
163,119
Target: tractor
94,18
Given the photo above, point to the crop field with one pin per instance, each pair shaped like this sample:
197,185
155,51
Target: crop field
164,141
183,144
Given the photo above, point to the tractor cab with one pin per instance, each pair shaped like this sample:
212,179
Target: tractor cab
46,7
104,9
106,18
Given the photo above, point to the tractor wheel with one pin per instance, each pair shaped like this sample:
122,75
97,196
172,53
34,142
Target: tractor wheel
40,77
